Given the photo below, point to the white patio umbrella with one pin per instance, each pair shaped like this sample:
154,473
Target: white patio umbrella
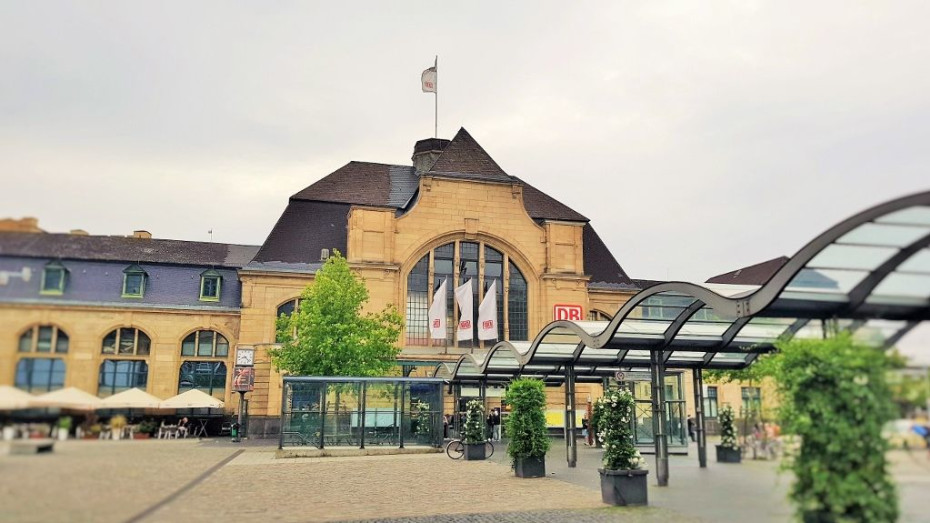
70,398
192,399
12,398
131,399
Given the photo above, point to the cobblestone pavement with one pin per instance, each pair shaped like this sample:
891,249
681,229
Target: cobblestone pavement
191,481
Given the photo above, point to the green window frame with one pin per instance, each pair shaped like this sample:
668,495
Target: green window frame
134,278
211,285
53,279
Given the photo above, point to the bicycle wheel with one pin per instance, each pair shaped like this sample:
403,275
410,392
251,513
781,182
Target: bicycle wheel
488,449
455,449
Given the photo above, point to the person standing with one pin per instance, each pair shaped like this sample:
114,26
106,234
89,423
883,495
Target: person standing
691,427
494,420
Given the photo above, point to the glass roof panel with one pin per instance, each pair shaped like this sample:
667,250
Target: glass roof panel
875,332
919,262
555,350
904,285
826,281
592,327
703,329
916,215
685,355
763,329
591,354
637,354
633,326
885,234
851,257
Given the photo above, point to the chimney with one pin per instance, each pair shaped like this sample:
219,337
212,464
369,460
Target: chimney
426,152
78,232
145,235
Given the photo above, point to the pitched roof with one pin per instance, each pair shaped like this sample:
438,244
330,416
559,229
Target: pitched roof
304,230
360,183
541,206
125,249
756,274
464,156
599,263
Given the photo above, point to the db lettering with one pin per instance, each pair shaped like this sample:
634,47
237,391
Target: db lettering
437,323
465,324
487,324
568,312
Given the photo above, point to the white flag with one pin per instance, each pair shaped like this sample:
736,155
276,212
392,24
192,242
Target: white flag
487,314
463,297
437,312
429,79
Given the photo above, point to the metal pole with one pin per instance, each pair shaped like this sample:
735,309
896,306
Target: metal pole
571,447
698,381
436,99
658,417
286,396
362,410
323,391
403,401
483,391
240,417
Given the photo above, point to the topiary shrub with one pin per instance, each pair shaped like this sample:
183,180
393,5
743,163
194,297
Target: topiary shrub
615,431
526,425
727,421
473,432
834,396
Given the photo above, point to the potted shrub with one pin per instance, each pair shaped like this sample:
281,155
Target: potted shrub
526,427
146,428
117,424
64,426
596,413
93,431
473,436
623,478
728,450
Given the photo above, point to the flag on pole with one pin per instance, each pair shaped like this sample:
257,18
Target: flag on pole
430,77
463,296
487,314
437,312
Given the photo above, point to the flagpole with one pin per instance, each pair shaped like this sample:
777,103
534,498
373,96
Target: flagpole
436,100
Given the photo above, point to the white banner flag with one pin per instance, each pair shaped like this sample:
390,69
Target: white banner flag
463,297
429,79
487,314
437,312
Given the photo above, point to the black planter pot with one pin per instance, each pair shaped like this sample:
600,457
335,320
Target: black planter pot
728,455
475,451
530,467
624,487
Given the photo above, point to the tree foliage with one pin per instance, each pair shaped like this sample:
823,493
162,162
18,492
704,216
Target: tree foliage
834,396
474,422
727,428
526,425
329,336
615,430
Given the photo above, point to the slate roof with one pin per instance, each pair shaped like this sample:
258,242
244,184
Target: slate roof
756,274
124,249
317,217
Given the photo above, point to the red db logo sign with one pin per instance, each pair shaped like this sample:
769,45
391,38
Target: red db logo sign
567,312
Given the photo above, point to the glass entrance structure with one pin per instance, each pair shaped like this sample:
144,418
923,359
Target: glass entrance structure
328,411
676,427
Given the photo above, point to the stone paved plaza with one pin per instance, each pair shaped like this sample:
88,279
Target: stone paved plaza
210,480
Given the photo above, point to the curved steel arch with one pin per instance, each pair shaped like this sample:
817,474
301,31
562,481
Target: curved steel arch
741,309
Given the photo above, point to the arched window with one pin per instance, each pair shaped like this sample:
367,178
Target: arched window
44,338
286,309
207,376
126,341
460,261
40,374
205,344
596,315
119,375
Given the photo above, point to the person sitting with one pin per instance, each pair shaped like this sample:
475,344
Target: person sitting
182,428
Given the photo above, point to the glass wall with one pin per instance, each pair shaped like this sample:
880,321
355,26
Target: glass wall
676,420
358,412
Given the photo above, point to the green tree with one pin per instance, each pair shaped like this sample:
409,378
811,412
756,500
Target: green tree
526,425
834,396
329,336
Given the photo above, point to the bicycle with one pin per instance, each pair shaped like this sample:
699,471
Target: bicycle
455,449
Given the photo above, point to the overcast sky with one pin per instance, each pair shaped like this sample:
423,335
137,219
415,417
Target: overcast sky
698,137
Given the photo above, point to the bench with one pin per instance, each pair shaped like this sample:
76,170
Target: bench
31,446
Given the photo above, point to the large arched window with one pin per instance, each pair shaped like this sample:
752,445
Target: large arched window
40,374
44,338
126,341
119,375
205,344
285,309
460,261
207,376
